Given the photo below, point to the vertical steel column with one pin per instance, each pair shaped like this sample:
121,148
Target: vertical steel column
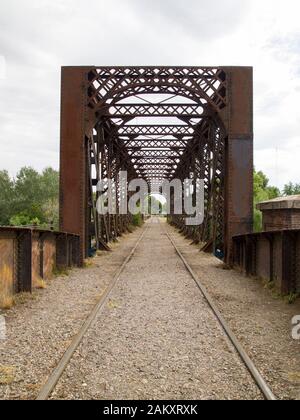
239,156
73,170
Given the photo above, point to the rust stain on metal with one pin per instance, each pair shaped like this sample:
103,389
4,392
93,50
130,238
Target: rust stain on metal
49,257
7,269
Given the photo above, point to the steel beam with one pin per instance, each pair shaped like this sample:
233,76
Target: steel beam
154,110
239,157
152,130
73,163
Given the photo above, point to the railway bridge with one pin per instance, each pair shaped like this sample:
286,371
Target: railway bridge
155,318
158,123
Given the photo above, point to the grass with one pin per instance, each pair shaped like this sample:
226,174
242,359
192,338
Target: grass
7,375
100,253
22,298
33,387
112,304
6,302
131,228
88,263
270,285
290,298
40,284
294,377
61,272
137,220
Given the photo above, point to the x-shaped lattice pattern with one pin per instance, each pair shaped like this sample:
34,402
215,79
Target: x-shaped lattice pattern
127,103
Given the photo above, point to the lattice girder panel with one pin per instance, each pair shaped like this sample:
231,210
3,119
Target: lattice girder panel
155,130
153,154
156,145
206,85
154,110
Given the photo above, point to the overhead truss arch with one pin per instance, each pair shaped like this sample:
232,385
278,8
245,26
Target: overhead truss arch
202,85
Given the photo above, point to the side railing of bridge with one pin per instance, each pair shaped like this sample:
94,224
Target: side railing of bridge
29,255
273,256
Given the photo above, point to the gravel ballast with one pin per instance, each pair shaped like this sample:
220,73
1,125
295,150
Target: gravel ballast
40,330
261,320
156,337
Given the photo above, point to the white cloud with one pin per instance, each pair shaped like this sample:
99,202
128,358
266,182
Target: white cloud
38,36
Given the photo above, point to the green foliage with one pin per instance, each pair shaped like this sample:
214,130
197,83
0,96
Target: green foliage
291,189
137,220
23,219
155,203
291,298
257,220
30,199
6,198
262,192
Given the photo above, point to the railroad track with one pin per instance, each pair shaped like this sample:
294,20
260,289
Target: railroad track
53,379
256,375
48,388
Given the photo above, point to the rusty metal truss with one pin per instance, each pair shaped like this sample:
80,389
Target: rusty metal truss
156,130
157,123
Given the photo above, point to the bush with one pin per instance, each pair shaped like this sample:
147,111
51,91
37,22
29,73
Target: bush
137,220
257,220
23,219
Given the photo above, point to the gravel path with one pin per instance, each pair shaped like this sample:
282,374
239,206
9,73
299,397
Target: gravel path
156,338
40,330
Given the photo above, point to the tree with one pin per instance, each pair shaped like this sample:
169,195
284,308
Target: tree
50,184
6,197
262,192
50,205
291,189
32,198
28,195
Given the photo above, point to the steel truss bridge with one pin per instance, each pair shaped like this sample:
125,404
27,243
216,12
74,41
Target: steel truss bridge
157,123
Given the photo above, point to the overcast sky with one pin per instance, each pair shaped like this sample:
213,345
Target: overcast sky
37,37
